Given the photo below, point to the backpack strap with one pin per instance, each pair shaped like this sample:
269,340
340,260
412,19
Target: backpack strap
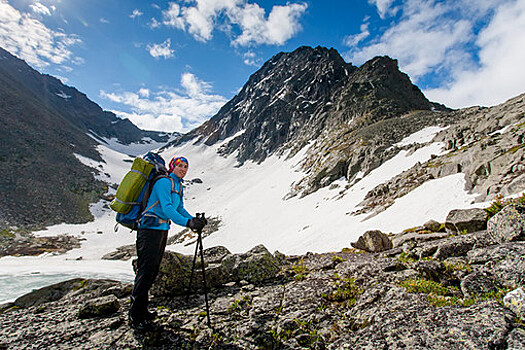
173,187
147,194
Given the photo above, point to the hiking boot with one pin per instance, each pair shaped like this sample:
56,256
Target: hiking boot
150,315
141,325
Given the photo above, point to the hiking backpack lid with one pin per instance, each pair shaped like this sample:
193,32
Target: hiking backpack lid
135,188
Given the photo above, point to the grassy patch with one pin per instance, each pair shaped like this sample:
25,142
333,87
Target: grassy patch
346,292
305,328
6,234
299,270
439,295
425,286
337,259
457,266
499,203
240,306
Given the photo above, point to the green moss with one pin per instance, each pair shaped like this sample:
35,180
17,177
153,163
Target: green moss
439,295
337,259
515,148
242,305
410,230
346,292
404,257
425,286
299,270
6,234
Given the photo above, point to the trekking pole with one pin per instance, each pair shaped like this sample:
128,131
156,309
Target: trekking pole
204,279
192,270
199,247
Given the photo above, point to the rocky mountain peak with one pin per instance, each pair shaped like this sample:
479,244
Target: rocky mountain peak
296,96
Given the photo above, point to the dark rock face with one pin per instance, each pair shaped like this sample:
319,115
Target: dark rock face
311,95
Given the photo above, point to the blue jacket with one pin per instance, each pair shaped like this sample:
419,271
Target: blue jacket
164,205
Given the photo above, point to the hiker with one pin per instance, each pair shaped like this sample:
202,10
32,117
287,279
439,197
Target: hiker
165,204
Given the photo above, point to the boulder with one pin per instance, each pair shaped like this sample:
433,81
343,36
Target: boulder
478,283
506,262
99,307
429,269
373,241
174,274
49,293
255,266
508,225
432,225
466,220
515,300
215,254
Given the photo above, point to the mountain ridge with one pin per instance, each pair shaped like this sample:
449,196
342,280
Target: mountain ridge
45,124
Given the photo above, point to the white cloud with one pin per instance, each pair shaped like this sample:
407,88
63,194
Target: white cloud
384,7
40,9
172,18
31,40
144,92
501,73
166,110
353,40
103,20
161,50
136,13
154,23
236,16
468,52
250,59
426,38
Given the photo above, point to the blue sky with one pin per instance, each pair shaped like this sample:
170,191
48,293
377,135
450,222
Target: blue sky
170,65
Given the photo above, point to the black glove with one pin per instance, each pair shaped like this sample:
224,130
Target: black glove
197,224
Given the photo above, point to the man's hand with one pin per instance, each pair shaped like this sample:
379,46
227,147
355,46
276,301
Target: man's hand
197,224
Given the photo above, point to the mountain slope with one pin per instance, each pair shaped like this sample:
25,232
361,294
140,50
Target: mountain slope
44,125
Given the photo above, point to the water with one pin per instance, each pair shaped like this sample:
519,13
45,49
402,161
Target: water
14,286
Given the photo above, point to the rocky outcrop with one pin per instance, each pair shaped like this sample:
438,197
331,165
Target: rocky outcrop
456,292
255,266
485,144
21,243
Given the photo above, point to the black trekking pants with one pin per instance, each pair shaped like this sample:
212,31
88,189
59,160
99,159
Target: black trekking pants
150,249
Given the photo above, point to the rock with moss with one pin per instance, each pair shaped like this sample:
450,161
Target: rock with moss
99,307
479,284
255,266
508,224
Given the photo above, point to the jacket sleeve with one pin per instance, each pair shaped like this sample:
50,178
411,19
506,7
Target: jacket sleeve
182,210
168,203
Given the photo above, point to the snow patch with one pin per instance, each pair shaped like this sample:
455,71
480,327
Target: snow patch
423,136
63,95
